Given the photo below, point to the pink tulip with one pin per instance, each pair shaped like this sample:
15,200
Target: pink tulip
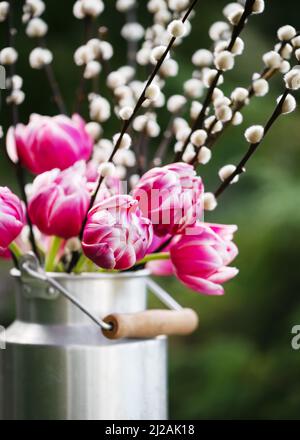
59,201
160,268
201,261
12,219
116,235
49,142
171,197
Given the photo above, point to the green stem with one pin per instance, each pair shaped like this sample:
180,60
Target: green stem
154,257
16,250
81,264
51,256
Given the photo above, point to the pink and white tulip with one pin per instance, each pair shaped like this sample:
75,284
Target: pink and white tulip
201,261
116,236
171,197
59,201
12,219
49,142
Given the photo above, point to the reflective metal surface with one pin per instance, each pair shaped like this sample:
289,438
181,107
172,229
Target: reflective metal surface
58,365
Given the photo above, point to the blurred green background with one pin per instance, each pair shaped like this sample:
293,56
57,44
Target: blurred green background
240,364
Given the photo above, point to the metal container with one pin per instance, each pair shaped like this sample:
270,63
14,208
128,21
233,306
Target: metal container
58,366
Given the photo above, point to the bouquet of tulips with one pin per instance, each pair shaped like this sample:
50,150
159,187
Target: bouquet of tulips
134,199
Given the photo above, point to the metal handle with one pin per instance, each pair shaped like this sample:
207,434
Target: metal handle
151,323
30,265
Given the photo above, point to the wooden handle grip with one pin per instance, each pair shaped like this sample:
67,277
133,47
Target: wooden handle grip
151,323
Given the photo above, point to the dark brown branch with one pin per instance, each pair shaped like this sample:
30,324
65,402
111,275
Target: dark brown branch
253,147
237,30
15,120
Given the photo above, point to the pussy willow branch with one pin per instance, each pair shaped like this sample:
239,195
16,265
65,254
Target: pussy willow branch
237,30
137,107
56,92
80,93
15,120
267,74
48,68
253,147
166,141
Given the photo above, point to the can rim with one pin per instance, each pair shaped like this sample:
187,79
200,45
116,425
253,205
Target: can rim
15,273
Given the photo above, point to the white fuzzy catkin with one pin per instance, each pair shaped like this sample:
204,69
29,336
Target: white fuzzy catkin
196,108
235,16
107,169
292,79
178,5
254,134
212,124
4,8
285,67
125,142
296,42
94,130
189,154
193,88
125,5
14,83
115,79
132,32
8,56
107,50
218,30
289,105
210,202
169,68
152,128
238,47
224,61
40,57
99,109
210,76
223,113
176,103
226,172
83,55
134,180
286,33
36,28
93,68
125,113
152,92
34,8
202,58
260,87
272,59
199,138
16,97
93,8
204,155
258,7
237,119
240,94
177,28
157,53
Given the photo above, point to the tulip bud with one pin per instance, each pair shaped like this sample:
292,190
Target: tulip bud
12,218
49,142
59,202
116,236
